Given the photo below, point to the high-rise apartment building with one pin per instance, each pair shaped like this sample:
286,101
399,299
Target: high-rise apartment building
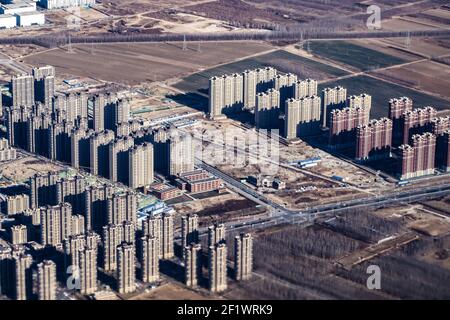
189,230
96,210
40,72
332,98
47,280
217,267
70,106
284,83
14,204
417,121
305,88
225,95
374,140
122,207
22,89
7,272
343,124
167,250
43,190
174,152
267,110
149,259
44,90
397,107
22,276
112,238
72,247
129,232
152,227
140,166
126,268
440,127
19,234
99,152
243,256
56,224
71,190
363,100
119,159
417,159
80,148
192,264
216,234
257,81
302,117
87,263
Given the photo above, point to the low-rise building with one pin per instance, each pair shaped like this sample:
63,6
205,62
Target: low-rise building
27,19
165,191
7,21
198,181
59,4
17,7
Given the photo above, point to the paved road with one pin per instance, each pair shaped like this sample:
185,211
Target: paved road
280,215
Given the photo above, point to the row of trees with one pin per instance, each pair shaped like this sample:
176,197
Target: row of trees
304,34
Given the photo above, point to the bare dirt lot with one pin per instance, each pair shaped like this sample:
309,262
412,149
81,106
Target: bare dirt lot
21,169
135,63
220,208
170,291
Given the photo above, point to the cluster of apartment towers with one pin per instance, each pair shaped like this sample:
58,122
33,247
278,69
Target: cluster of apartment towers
419,137
92,132
128,248
90,227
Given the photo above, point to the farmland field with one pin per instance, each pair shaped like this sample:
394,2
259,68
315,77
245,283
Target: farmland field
382,91
353,55
427,75
282,60
139,62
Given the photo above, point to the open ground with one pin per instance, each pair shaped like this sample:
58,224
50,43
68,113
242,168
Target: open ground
136,63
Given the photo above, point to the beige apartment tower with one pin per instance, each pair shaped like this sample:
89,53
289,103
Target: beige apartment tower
47,280
22,87
189,229
19,234
152,227
216,234
167,250
192,264
56,223
304,88
140,166
126,269
149,259
256,81
217,267
225,95
302,117
98,143
122,207
332,98
363,101
243,256
72,248
267,109
112,238
23,277
88,270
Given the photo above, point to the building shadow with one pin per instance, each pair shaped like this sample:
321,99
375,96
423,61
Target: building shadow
190,99
172,270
